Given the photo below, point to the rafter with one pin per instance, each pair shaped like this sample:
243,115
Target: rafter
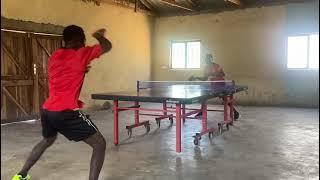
147,4
191,2
130,6
237,2
175,4
136,4
96,2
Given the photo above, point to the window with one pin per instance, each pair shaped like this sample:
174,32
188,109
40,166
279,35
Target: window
185,55
303,52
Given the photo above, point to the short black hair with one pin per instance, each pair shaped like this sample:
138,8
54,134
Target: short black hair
73,32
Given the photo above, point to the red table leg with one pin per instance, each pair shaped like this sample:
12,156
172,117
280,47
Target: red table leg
115,122
178,128
205,129
227,113
232,108
204,116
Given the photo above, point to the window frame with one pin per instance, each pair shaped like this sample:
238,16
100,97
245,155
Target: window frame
185,66
308,53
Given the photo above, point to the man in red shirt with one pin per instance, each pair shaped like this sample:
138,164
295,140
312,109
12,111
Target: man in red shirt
213,72
61,111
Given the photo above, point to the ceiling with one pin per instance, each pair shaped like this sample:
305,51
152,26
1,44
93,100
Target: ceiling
188,7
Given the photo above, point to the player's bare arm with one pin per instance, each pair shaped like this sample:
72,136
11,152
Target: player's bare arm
104,42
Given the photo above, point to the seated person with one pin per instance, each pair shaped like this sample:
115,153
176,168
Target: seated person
212,72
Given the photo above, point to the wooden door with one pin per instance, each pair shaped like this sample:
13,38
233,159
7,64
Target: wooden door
24,86
42,47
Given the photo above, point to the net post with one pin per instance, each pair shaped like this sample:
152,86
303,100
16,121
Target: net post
138,85
234,85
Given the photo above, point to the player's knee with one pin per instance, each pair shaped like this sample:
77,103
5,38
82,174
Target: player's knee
49,141
102,144
97,142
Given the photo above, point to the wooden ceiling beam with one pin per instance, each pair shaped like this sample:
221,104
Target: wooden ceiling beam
129,6
237,2
175,4
147,4
191,2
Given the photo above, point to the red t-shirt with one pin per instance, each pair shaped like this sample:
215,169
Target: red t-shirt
213,68
66,71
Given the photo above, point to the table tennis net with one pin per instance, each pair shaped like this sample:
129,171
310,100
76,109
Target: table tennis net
187,84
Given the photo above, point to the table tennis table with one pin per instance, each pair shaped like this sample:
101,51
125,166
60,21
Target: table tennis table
179,94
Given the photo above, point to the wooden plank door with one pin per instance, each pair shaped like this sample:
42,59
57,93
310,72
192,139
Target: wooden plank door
24,86
16,78
42,47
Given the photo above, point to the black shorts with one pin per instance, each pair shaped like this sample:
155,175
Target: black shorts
74,125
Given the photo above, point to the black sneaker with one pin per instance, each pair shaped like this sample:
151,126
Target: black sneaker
236,114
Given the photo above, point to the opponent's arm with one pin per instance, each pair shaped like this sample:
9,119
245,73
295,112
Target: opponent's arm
217,74
193,78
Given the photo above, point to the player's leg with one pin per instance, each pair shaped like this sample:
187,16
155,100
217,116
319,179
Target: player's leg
36,153
78,127
98,144
49,136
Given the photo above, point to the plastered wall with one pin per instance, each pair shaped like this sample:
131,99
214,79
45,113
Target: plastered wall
250,45
130,33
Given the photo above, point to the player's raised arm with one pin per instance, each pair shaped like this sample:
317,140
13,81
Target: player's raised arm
104,42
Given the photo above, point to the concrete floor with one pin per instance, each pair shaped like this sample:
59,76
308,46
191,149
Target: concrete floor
265,144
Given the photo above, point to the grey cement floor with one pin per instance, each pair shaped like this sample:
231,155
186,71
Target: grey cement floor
265,144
